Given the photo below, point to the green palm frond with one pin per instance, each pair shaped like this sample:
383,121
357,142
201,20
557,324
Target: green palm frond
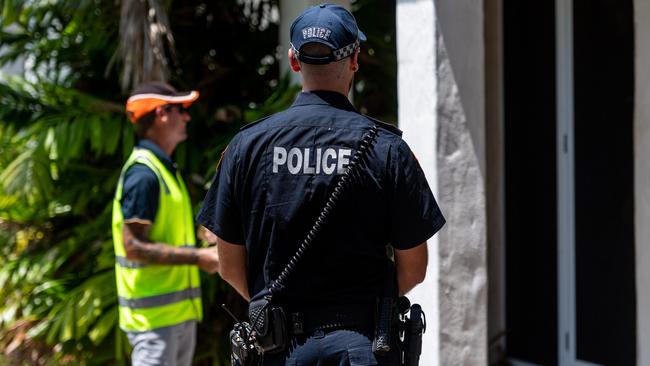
57,36
66,302
57,278
49,134
84,312
28,177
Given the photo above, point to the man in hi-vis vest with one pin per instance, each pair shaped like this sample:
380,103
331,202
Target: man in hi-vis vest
156,261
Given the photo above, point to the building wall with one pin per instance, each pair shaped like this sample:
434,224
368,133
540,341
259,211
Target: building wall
418,118
461,25
642,177
463,270
441,93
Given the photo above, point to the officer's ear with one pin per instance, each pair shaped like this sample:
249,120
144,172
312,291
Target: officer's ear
354,61
293,60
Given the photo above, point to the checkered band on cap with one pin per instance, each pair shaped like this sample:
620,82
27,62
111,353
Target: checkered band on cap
346,51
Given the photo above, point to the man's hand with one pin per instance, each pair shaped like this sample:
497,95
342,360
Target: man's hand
208,259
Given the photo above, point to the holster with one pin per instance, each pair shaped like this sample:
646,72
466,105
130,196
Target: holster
269,323
414,326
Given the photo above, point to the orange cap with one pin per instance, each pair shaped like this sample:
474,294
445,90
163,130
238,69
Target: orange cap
147,97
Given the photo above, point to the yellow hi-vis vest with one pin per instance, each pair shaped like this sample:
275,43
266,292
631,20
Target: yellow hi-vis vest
152,296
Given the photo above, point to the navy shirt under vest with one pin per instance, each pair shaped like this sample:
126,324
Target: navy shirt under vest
141,189
274,180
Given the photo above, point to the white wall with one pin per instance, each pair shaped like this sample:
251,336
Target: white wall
441,87
417,101
642,177
461,24
461,181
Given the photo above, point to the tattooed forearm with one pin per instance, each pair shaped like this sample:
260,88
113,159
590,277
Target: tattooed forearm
161,253
139,248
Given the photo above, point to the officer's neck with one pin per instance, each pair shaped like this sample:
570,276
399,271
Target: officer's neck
341,91
326,85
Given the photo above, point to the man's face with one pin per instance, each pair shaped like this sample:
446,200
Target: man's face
176,118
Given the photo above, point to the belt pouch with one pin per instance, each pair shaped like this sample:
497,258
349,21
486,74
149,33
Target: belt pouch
270,325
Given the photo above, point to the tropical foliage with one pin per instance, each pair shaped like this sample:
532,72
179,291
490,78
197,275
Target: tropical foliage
63,138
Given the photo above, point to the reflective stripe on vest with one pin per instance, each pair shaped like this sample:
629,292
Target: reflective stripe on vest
159,300
154,295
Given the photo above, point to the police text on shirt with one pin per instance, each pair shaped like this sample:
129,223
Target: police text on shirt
311,161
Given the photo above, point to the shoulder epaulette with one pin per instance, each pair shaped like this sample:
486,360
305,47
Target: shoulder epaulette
254,123
386,126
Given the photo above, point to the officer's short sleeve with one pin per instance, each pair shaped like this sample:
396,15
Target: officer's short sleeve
140,194
220,212
415,215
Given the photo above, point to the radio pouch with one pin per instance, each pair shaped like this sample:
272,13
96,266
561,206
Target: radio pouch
269,323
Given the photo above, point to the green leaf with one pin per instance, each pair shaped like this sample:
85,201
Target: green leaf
97,134
8,13
128,141
68,324
76,138
40,329
52,336
106,323
15,176
111,133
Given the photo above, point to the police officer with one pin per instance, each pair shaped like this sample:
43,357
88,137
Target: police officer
273,181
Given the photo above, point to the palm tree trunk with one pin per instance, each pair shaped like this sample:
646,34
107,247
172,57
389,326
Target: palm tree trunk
146,44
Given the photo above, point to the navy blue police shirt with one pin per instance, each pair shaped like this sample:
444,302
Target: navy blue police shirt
274,179
141,189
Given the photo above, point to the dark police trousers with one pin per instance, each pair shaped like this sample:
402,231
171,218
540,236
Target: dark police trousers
339,347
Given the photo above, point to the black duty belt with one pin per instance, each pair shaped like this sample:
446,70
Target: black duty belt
305,322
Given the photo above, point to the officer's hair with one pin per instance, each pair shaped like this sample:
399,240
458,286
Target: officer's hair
144,123
315,49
